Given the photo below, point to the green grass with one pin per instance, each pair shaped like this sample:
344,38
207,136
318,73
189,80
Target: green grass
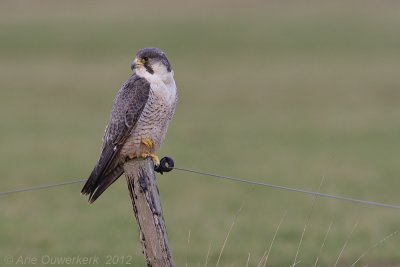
280,93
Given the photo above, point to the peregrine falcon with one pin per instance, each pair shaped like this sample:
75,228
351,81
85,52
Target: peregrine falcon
141,113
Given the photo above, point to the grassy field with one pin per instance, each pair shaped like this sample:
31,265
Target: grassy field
283,93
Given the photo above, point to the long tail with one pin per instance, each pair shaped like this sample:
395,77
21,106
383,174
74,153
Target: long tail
96,185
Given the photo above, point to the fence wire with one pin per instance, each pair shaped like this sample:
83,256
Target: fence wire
229,178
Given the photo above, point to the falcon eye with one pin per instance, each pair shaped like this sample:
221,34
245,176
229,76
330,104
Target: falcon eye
145,58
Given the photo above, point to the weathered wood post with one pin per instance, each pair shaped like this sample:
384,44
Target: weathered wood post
146,204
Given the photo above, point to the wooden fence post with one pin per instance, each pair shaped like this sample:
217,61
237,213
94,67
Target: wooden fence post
146,204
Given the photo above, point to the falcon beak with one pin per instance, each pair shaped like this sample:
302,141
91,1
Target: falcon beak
133,65
137,62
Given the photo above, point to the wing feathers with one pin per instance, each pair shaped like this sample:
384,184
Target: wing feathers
127,108
106,182
102,167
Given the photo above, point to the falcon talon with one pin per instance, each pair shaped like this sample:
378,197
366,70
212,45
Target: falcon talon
166,165
144,155
147,142
155,159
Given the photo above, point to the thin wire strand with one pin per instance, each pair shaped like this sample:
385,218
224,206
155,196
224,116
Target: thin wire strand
40,187
279,187
291,189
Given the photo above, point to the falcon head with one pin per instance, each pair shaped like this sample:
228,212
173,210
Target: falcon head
151,60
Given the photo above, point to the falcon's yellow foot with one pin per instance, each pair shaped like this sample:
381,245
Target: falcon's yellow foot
153,157
147,142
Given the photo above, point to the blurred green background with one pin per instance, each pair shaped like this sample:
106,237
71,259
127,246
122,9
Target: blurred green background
277,91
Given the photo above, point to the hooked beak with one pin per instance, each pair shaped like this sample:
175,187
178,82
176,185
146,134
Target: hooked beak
135,63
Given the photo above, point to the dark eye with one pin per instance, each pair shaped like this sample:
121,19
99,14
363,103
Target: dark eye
145,58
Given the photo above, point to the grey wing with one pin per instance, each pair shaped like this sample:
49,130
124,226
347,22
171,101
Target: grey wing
128,105
127,108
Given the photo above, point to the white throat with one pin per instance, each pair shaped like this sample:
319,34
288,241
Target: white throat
162,83
160,74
